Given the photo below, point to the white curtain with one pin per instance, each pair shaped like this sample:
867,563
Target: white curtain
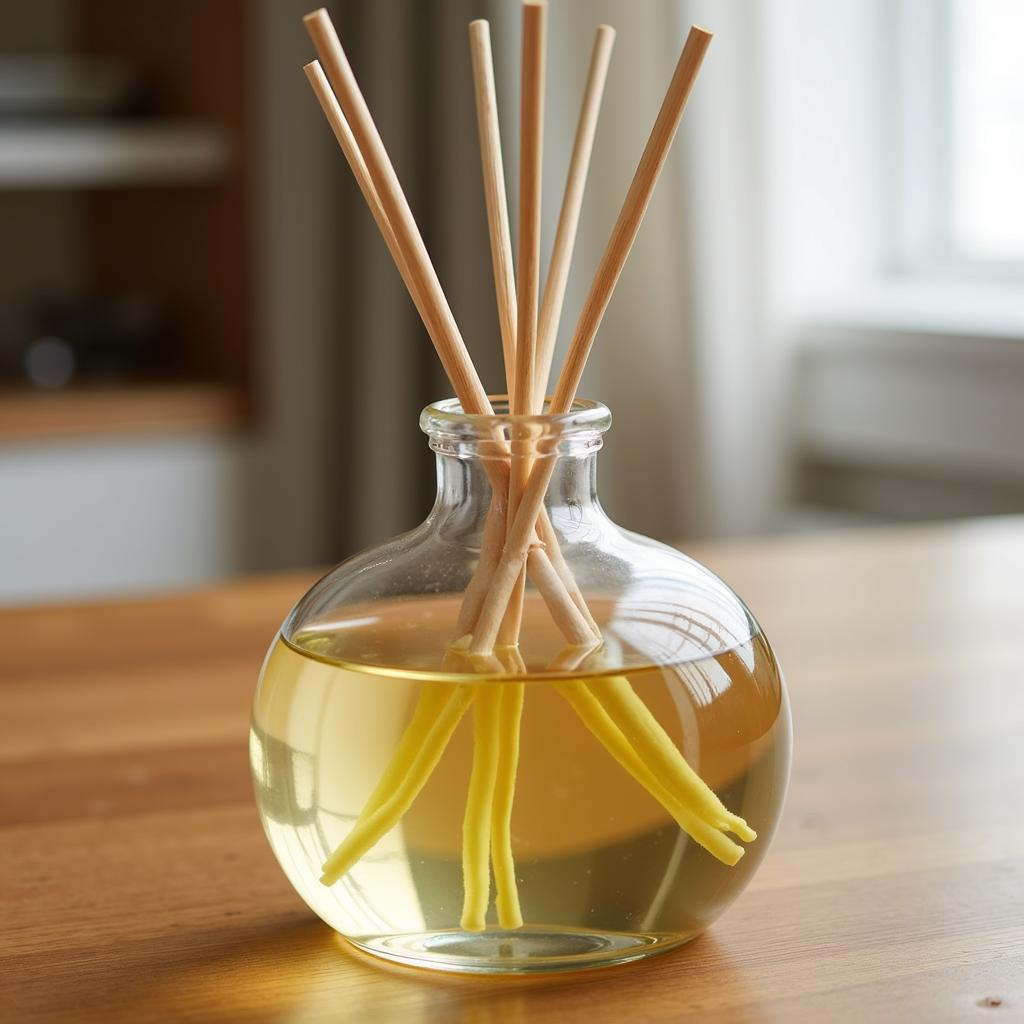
683,357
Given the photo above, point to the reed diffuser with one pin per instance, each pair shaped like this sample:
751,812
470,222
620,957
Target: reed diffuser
517,738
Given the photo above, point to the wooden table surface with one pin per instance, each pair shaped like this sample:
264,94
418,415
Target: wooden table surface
137,885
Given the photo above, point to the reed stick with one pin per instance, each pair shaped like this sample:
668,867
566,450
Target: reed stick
520,296
595,717
531,146
614,733
569,216
495,196
609,269
553,549
431,702
627,225
660,754
491,543
440,322
506,890
350,148
531,149
413,776
545,576
700,813
476,826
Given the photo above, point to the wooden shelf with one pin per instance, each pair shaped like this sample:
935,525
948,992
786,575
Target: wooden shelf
110,154
160,209
118,411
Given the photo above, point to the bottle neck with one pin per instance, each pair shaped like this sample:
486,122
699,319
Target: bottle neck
473,463
465,487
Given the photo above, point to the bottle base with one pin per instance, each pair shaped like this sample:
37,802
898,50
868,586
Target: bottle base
523,951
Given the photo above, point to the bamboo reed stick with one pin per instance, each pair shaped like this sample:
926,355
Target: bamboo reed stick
610,268
569,216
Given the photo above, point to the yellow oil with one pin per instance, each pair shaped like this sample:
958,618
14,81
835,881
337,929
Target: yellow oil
604,873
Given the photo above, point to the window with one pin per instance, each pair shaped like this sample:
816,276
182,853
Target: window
986,129
958,134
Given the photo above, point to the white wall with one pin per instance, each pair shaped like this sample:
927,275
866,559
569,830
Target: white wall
102,517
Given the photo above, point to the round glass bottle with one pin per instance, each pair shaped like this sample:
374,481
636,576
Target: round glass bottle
386,757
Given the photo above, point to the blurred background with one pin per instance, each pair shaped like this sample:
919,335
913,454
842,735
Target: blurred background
208,364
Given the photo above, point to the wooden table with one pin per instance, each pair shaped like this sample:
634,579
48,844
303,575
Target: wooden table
136,883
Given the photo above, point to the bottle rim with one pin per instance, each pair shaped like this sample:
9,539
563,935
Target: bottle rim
444,420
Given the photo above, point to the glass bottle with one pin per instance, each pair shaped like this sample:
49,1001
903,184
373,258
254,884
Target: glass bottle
371,720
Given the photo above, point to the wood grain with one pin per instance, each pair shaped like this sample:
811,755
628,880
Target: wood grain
136,883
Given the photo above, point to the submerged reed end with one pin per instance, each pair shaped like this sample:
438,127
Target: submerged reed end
473,923
740,828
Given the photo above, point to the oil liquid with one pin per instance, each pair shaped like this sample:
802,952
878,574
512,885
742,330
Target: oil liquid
604,873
